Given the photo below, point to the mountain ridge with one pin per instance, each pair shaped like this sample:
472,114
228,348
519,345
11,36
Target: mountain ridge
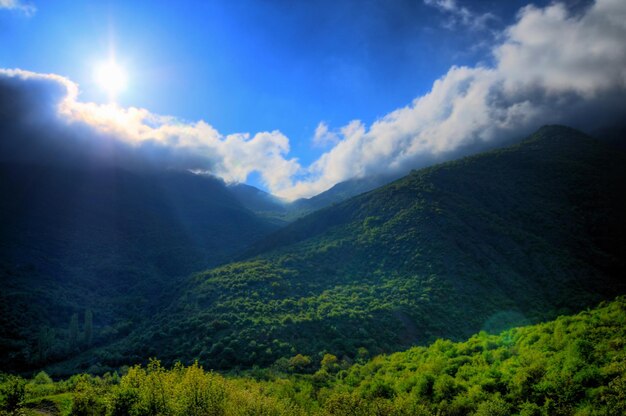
113,241
514,235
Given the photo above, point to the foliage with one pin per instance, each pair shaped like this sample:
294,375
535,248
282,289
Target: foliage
505,238
13,393
87,401
575,365
108,245
42,379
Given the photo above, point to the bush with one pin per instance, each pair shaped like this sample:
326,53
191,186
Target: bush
200,393
123,402
87,402
42,378
14,393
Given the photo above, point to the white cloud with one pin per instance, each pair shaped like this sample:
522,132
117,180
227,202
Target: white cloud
323,137
26,8
195,146
460,14
551,67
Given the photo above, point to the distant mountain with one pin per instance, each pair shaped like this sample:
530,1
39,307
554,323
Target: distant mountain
261,202
107,240
338,193
507,237
283,212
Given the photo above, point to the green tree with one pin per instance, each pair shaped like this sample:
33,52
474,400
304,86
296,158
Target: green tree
299,362
45,342
42,378
73,334
88,327
13,393
330,363
87,401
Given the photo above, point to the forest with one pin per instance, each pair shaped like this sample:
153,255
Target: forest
443,252
574,365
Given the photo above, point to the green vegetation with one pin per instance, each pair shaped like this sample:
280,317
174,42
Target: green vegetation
505,238
510,237
575,365
85,255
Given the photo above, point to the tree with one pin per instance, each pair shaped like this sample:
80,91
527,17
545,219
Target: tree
42,378
330,363
13,393
73,334
45,342
88,328
299,362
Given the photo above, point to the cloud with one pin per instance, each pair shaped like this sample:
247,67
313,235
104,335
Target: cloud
44,122
323,137
550,67
460,14
26,8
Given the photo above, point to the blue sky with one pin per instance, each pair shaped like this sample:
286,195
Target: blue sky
254,65
265,65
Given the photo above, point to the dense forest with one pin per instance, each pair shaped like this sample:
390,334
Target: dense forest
508,237
575,365
105,241
308,317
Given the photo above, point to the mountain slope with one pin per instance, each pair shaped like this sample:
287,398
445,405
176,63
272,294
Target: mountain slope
503,238
261,203
109,240
338,193
282,212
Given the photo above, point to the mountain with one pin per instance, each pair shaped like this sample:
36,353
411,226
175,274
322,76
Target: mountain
261,203
109,241
283,212
338,193
508,237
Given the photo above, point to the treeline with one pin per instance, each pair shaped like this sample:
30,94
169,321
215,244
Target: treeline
53,345
575,365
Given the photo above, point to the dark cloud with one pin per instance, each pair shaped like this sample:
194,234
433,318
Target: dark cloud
43,122
34,132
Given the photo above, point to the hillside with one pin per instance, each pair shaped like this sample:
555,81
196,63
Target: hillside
573,365
105,240
337,193
503,238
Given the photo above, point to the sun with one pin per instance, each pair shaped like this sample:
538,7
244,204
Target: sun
111,78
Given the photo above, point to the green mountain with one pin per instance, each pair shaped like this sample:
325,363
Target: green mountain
504,238
106,240
338,193
262,203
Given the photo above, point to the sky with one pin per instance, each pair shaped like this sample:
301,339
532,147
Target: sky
294,97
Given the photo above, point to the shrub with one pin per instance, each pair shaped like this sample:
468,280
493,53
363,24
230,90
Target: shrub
42,378
87,402
13,392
